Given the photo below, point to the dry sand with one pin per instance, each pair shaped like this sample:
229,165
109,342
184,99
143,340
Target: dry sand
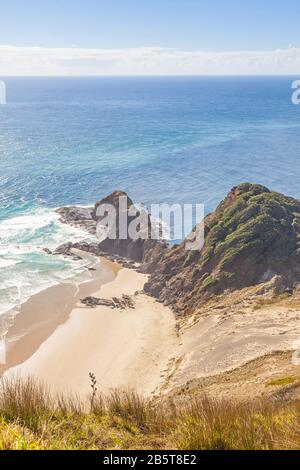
123,348
231,333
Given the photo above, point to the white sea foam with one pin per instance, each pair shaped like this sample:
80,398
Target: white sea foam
25,268
6,263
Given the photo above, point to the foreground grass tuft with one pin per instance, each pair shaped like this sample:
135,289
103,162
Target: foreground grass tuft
30,419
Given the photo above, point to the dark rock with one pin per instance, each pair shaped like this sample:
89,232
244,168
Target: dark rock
66,250
142,250
137,251
125,302
93,302
79,217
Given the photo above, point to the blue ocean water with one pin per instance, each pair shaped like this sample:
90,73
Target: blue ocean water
174,140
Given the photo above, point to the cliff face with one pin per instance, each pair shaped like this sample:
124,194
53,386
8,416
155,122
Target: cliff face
253,235
143,250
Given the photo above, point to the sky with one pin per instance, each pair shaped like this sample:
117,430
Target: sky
149,37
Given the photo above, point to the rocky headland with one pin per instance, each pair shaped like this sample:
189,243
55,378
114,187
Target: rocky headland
252,238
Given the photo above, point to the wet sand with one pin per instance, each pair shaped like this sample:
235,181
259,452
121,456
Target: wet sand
39,317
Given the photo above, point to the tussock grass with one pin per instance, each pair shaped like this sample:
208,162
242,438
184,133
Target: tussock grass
211,425
128,405
32,419
26,400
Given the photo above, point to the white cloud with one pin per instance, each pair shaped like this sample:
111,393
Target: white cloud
15,60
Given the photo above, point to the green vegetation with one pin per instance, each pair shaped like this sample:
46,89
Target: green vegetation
282,381
31,420
252,231
209,281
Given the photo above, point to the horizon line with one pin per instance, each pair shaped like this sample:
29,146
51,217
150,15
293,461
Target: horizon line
157,75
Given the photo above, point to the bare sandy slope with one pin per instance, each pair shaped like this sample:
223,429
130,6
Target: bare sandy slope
235,330
271,375
123,348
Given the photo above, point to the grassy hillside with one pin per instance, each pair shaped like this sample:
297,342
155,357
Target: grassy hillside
31,420
253,235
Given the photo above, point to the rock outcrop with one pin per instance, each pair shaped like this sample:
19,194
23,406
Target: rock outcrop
143,250
138,250
79,217
126,302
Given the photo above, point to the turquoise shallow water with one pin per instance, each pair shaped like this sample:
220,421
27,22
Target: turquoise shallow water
174,140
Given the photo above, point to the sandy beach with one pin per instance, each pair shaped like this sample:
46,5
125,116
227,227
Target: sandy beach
123,348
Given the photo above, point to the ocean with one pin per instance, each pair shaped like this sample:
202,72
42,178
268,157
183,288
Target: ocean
163,140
